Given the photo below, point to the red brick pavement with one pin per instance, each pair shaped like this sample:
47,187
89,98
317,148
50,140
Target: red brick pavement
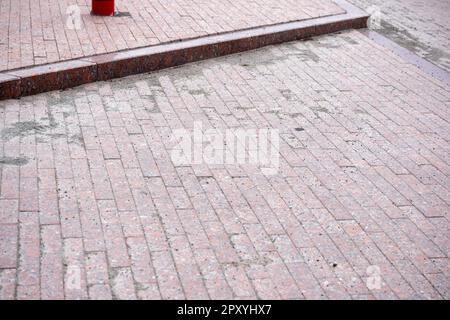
40,32
93,207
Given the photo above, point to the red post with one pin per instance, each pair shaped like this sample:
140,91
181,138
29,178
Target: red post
103,7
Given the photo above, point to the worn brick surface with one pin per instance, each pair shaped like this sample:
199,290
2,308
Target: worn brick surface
422,26
39,32
92,205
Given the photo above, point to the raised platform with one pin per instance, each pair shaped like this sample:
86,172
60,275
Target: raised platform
70,73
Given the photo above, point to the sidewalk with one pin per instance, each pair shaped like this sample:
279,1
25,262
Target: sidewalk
40,32
145,39
93,204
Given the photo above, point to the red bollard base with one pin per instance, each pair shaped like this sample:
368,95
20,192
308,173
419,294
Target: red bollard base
103,7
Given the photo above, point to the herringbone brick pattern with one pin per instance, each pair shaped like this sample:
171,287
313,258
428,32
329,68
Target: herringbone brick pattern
46,31
93,207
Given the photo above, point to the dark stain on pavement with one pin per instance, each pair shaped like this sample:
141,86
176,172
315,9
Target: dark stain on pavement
26,128
13,161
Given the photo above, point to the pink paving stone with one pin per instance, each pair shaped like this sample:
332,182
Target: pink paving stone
52,270
8,211
7,284
29,250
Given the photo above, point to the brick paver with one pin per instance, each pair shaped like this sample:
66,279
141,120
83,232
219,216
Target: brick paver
39,32
92,205
422,26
